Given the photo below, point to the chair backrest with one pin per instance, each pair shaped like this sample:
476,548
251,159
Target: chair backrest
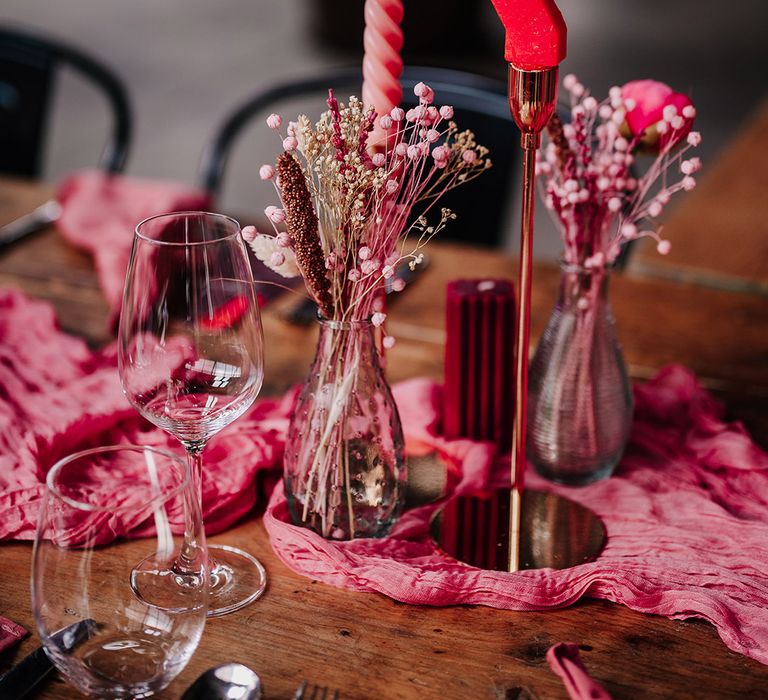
28,65
480,104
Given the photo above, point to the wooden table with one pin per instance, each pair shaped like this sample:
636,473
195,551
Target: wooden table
371,647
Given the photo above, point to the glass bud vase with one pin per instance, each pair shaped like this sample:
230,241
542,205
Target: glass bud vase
344,464
579,396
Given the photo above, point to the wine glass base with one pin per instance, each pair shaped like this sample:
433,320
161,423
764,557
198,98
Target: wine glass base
237,579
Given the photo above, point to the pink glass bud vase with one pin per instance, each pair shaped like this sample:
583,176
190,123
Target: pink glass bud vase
579,401
344,464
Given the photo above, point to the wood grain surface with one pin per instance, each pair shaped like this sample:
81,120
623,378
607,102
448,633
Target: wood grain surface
368,646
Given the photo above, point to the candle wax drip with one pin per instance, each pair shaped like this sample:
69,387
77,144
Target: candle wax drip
536,33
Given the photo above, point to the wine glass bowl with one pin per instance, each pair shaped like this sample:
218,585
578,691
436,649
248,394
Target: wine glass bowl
190,352
126,644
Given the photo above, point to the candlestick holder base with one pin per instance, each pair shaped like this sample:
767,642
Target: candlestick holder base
555,532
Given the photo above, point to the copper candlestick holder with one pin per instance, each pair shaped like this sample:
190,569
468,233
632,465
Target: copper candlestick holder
513,529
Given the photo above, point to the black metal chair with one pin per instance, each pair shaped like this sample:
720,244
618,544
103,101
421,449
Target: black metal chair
480,104
28,67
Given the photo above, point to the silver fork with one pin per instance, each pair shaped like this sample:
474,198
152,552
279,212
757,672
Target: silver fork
306,691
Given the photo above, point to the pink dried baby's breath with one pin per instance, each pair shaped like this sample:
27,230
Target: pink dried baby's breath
628,230
424,92
440,153
365,197
669,113
275,214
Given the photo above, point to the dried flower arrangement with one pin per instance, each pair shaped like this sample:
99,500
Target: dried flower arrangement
580,404
356,190
586,170
354,210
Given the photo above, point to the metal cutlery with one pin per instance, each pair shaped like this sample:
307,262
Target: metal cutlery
33,669
307,691
226,682
43,216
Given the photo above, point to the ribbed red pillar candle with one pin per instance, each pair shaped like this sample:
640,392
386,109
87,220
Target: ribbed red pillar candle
479,402
479,362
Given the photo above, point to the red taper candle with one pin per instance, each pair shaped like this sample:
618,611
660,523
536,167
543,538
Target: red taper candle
536,33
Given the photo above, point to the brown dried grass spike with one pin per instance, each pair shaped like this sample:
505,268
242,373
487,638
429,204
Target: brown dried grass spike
302,224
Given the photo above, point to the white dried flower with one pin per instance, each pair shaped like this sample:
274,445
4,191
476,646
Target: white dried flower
265,248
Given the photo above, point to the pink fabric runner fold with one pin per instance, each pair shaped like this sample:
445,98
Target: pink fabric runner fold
686,511
565,661
100,211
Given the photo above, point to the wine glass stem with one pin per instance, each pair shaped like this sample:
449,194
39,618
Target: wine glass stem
194,451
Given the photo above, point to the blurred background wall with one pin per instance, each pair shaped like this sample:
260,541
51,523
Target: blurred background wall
187,63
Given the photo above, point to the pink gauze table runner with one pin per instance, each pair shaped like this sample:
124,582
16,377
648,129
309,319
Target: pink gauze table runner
686,512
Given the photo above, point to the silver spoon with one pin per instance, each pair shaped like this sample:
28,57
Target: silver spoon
226,682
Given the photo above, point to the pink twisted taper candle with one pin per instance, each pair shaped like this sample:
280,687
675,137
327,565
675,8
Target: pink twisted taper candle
382,63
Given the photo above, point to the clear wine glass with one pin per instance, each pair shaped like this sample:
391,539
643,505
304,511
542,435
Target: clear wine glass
190,352
115,628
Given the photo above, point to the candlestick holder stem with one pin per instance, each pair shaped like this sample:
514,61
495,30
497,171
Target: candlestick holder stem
532,96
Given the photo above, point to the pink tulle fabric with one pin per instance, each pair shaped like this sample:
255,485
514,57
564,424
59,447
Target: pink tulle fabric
100,211
57,396
686,512
11,633
565,661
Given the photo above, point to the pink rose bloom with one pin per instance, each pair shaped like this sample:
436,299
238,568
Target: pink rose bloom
650,97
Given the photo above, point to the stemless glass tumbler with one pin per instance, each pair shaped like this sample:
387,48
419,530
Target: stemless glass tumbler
190,353
132,611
